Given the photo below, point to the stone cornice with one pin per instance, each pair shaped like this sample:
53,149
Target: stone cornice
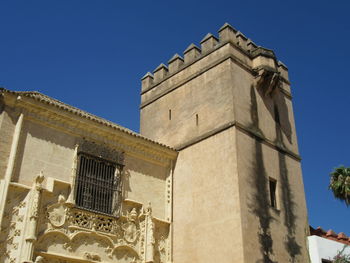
41,109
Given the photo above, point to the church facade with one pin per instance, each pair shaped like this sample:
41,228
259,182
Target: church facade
214,174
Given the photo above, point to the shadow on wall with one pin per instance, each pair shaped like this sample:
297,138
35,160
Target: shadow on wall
12,113
292,247
275,103
136,165
259,205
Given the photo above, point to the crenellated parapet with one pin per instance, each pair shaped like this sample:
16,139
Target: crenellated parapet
254,57
175,63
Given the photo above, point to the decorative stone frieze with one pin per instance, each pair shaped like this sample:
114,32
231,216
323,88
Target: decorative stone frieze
78,233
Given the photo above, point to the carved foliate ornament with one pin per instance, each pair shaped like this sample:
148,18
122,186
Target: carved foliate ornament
134,233
37,187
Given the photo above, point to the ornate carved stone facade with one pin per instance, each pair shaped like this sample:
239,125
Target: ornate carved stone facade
69,232
226,110
41,221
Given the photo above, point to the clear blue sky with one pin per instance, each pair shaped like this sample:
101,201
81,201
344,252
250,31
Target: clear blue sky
92,54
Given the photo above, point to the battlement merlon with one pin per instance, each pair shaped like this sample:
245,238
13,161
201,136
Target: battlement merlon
246,52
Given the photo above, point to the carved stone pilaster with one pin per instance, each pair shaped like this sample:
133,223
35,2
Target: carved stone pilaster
33,215
71,197
149,244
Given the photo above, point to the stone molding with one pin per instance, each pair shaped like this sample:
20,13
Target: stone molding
244,129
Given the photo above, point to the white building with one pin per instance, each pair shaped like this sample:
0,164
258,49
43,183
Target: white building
324,246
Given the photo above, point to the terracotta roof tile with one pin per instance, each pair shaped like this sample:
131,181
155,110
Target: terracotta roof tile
341,235
330,234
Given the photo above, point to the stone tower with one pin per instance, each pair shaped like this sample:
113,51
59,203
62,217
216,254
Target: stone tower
238,192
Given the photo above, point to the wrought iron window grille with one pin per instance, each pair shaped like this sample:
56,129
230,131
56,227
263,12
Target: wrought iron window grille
98,186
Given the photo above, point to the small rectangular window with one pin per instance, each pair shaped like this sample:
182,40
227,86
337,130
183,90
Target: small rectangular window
277,114
272,187
97,184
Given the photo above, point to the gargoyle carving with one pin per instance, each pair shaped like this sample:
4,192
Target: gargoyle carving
268,80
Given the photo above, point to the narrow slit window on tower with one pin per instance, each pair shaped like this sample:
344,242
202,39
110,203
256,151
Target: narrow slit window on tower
169,114
98,184
197,119
277,114
272,188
